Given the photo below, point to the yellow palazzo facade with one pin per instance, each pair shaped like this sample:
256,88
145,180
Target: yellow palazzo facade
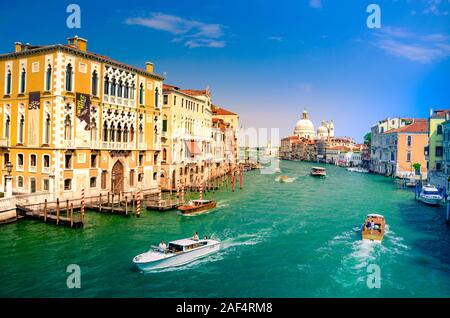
72,119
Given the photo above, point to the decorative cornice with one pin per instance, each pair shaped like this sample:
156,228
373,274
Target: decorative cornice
87,55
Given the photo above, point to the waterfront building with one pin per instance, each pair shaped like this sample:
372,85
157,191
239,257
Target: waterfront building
446,149
186,136
73,119
231,120
304,149
379,154
404,148
286,147
434,151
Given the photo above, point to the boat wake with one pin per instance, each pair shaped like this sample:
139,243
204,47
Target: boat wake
288,180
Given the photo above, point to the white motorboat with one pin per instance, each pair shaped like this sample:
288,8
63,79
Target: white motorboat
430,195
357,169
177,253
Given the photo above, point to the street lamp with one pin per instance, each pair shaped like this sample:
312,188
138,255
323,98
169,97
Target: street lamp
9,167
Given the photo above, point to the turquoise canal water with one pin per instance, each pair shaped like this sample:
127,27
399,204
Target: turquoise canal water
295,239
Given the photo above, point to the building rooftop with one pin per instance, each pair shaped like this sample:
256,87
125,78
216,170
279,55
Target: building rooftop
418,126
27,49
216,110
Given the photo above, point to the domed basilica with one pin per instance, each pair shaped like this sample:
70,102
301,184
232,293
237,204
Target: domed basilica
305,128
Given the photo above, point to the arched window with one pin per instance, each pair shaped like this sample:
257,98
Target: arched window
69,73
48,78
164,124
156,97
47,130
126,90
8,83
23,76
132,91
21,128
164,156
141,133
113,87
93,130
131,133
68,128
141,94
94,83
125,133
106,88
7,127
112,132
120,89
105,131
119,133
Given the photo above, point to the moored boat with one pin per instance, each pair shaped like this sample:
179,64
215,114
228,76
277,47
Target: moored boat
177,253
318,172
357,169
373,228
430,195
195,207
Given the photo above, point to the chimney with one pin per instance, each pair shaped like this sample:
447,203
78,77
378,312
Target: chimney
149,67
78,42
18,47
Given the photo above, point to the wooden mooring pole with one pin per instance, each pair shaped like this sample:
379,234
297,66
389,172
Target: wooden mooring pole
57,211
45,210
126,205
71,215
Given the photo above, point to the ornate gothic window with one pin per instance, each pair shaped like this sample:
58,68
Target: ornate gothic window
48,78
21,128
141,94
8,83
106,88
105,131
68,128
156,97
23,76
69,73
94,83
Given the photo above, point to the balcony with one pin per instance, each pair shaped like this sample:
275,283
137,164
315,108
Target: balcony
68,144
112,145
4,143
142,146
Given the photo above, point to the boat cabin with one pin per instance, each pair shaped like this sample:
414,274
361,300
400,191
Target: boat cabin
185,245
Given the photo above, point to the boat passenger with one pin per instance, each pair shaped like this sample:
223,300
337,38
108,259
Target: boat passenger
205,237
162,246
195,237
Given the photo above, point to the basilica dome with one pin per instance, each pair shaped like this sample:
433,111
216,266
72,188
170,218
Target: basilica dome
304,127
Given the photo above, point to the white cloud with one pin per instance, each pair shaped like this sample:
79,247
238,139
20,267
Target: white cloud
275,38
192,33
414,47
437,7
315,3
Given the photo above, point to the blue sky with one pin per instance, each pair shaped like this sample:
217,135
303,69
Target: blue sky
268,60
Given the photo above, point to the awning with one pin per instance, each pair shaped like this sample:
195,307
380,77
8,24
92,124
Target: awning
193,147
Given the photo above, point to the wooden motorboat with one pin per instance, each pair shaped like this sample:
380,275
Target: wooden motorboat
284,179
373,228
197,207
318,172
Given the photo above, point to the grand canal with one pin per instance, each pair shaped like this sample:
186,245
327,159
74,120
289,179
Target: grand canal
295,239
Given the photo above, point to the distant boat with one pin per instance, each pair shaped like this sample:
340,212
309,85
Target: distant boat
375,233
195,207
284,179
318,172
359,170
430,195
177,253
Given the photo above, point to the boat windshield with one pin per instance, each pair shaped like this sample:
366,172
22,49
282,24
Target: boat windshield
431,192
174,248
192,246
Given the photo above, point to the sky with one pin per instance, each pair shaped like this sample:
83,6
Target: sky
266,60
